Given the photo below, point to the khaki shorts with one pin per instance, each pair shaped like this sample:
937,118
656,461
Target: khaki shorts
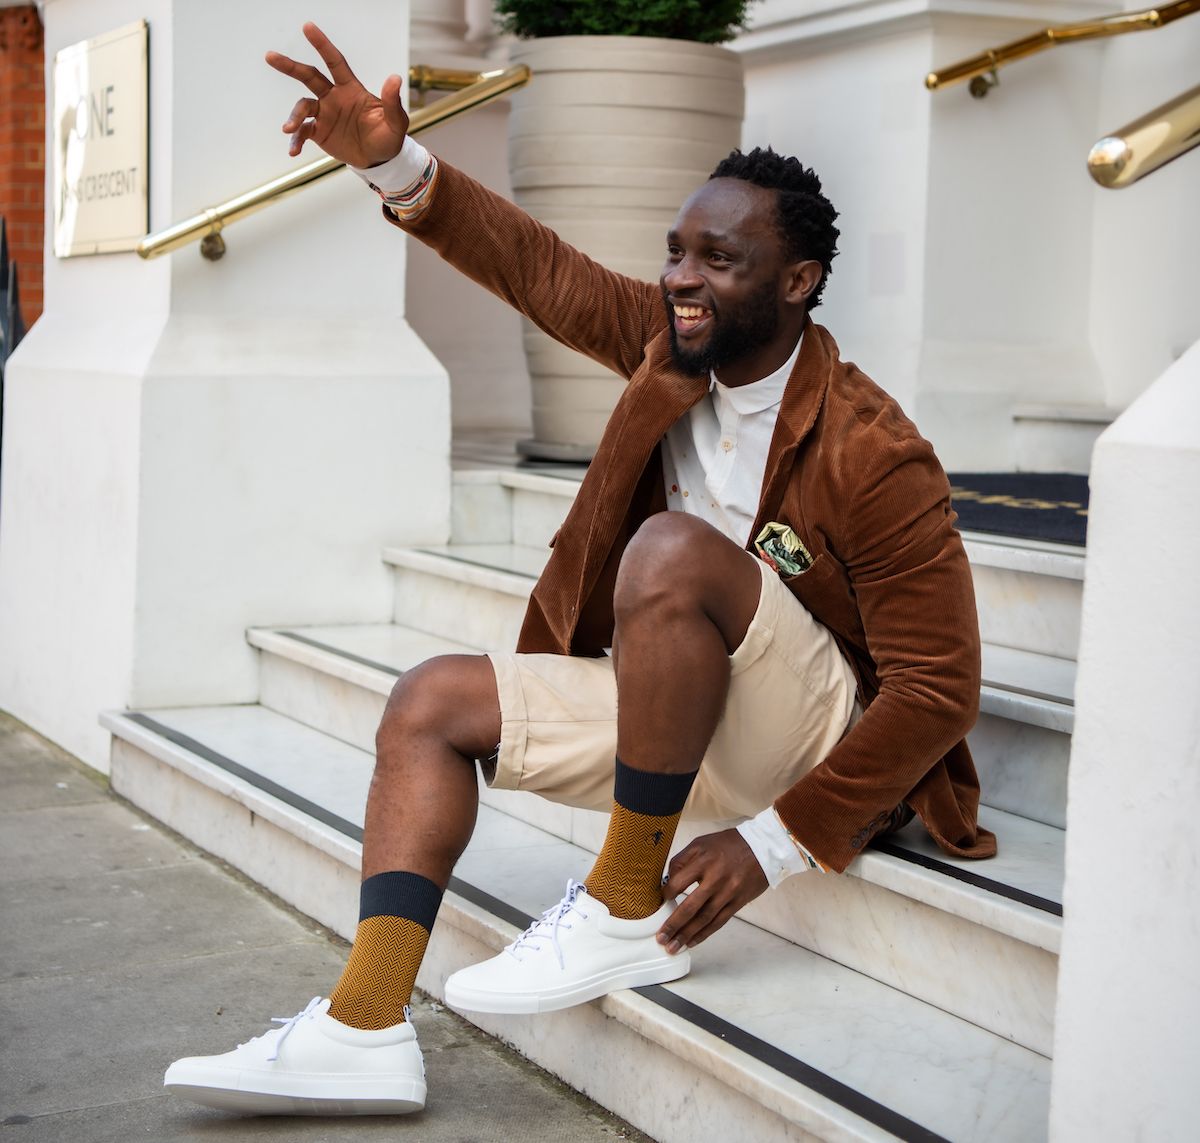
791,698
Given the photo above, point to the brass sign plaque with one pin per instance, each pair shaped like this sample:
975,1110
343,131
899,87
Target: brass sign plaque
100,141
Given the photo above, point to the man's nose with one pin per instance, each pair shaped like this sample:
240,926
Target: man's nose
681,275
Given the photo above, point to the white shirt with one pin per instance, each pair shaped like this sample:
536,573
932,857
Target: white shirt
714,460
715,455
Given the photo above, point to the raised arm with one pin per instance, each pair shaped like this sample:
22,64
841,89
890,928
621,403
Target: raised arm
600,313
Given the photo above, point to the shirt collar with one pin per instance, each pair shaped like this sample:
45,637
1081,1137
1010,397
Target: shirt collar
759,395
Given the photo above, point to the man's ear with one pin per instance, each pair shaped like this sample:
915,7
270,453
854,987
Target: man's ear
803,278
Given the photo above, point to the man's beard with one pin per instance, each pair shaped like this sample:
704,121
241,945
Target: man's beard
733,335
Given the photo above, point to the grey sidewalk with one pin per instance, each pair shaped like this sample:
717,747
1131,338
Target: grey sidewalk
122,947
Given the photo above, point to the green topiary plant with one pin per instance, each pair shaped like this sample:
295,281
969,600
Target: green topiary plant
705,21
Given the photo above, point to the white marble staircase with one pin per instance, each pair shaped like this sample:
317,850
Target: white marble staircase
911,999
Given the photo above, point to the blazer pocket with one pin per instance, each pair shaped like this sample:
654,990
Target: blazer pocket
815,572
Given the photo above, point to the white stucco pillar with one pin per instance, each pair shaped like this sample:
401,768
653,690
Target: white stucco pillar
968,253
194,447
1127,1042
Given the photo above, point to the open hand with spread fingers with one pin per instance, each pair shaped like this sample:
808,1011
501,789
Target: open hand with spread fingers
341,116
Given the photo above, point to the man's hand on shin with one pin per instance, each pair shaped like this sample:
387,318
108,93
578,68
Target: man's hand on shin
341,116
726,875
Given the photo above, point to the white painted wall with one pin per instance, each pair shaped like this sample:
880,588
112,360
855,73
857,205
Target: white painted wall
981,269
1127,1044
193,447
476,337
1145,304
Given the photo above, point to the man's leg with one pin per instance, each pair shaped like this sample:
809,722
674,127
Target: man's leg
685,596
421,812
359,1055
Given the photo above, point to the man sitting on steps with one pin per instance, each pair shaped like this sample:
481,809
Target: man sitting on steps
765,544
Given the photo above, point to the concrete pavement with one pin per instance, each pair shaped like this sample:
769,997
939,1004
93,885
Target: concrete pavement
123,947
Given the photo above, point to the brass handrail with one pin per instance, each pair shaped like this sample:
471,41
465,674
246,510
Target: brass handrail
1120,159
978,67
470,90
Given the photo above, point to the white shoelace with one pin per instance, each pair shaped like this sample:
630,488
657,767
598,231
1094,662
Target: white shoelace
289,1022
546,928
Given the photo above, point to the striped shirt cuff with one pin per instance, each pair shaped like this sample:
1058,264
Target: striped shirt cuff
405,182
776,849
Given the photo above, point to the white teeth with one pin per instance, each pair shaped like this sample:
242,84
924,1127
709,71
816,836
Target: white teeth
690,312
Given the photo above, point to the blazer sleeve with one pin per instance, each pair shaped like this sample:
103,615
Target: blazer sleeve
916,598
603,314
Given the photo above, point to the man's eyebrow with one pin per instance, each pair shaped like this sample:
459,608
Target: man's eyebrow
712,237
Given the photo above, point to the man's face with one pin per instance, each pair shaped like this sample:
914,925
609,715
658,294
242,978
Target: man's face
725,284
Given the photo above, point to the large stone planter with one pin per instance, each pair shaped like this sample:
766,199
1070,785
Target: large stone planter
605,143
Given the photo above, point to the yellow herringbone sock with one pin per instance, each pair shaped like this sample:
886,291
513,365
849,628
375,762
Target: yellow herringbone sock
627,875
396,914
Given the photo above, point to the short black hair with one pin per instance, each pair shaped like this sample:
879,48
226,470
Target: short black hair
804,215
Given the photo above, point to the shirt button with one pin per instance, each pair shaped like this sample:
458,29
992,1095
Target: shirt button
727,445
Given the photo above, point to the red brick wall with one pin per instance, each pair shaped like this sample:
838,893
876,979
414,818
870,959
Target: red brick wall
23,148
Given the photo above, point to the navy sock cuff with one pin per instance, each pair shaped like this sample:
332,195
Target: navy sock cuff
399,894
646,792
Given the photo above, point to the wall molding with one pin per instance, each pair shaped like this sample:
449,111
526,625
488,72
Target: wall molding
788,27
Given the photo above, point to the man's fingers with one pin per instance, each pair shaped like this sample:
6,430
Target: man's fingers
393,109
677,925
699,934
681,872
339,69
304,109
303,133
311,77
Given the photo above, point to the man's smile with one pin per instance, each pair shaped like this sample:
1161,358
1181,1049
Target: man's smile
689,317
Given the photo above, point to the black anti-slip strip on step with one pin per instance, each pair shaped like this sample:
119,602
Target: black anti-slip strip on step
247,775
833,1090
1049,506
340,653
968,877
825,1085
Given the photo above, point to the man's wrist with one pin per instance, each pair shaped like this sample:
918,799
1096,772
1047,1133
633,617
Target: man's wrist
406,181
775,848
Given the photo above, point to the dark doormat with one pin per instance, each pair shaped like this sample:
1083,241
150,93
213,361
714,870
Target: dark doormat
1050,506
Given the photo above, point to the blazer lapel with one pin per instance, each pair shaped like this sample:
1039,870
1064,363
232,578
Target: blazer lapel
798,411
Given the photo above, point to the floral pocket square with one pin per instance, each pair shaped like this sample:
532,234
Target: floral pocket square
783,550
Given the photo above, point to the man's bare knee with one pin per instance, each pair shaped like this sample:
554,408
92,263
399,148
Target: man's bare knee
658,563
677,566
451,698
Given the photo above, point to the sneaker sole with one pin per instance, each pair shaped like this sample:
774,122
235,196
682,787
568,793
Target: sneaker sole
553,1000
367,1096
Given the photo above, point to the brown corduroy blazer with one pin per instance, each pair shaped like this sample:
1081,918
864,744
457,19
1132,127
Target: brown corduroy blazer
846,470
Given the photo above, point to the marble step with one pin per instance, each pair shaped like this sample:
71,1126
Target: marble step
763,1040
337,680
473,593
1029,593
511,506
1021,741
1058,438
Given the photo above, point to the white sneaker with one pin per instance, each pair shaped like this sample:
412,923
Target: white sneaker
576,952
313,1065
